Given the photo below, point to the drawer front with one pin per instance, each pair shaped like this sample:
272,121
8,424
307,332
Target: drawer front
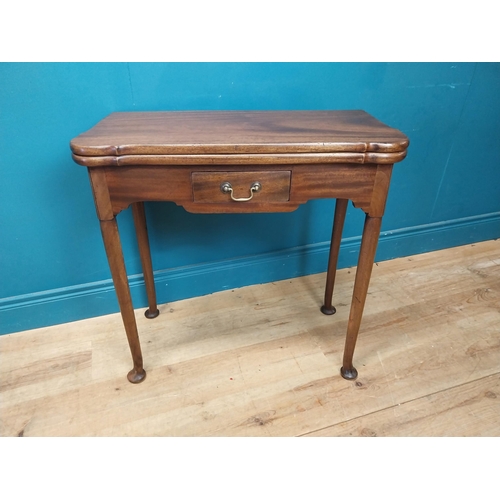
241,187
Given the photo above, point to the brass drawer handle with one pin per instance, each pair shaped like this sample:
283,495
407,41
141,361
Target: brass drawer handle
226,187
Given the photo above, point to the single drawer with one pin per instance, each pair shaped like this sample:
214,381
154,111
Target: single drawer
241,187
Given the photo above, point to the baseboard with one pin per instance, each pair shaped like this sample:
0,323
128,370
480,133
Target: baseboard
73,303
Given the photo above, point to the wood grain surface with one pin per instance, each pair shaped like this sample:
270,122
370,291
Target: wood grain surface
263,361
205,137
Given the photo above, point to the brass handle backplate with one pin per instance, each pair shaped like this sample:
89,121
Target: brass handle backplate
226,187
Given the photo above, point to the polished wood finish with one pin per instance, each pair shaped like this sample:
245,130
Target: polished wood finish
275,186
338,226
366,258
186,157
112,245
127,185
430,359
145,253
152,138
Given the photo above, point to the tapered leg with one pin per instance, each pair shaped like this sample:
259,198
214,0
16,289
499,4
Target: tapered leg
145,253
366,258
338,226
113,247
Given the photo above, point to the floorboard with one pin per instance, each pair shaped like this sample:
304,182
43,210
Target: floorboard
263,361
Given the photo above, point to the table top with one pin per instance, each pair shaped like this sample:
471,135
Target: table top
175,136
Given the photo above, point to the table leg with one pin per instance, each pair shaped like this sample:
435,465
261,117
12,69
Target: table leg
145,253
371,233
338,226
114,252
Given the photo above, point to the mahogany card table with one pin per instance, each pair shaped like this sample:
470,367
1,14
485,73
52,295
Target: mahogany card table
239,162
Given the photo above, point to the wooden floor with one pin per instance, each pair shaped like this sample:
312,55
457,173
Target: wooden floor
263,361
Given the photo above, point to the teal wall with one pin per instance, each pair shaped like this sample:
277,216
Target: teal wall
53,267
